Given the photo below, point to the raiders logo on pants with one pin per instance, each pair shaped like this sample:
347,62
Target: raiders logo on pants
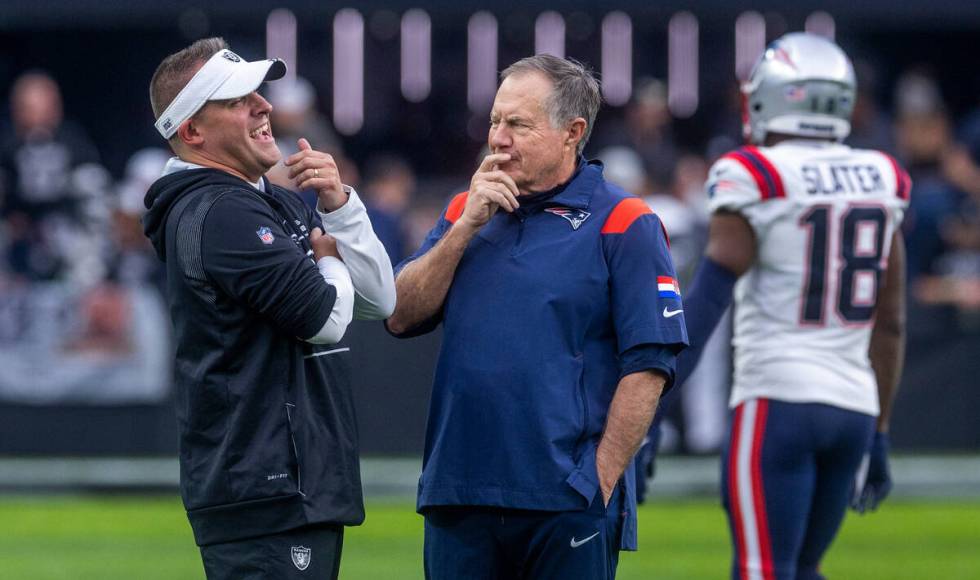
306,553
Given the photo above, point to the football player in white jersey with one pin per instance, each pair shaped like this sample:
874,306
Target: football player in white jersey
806,232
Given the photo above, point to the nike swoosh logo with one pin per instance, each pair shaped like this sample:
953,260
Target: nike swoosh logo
576,543
672,313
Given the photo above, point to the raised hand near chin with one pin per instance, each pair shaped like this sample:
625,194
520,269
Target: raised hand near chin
490,189
312,169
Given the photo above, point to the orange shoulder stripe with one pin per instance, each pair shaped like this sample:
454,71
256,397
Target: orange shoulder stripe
456,206
624,214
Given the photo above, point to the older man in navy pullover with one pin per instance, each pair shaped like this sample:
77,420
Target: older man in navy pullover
561,322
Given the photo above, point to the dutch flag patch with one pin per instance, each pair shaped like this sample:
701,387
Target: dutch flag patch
667,287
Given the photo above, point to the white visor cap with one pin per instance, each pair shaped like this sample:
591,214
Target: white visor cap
224,76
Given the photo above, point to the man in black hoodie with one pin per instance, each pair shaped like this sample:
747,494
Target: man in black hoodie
261,290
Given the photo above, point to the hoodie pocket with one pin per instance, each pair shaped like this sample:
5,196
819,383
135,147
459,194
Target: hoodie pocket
294,449
583,400
585,478
258,455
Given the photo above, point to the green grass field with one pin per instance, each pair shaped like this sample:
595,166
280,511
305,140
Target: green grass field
148,538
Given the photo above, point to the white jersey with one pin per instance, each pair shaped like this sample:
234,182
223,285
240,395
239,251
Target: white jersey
823,216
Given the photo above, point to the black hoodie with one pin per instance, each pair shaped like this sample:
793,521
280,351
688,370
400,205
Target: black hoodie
268,440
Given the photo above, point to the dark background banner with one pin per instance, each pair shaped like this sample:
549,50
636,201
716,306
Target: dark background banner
936,410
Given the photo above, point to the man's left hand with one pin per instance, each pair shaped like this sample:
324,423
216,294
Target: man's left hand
316,170
323,245
878,483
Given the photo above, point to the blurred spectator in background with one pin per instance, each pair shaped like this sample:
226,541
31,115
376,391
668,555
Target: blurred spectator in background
430,199
131,259
52,189
957,270
420,219
71,252
688,185
871,127
107,311
647,128
726,125
624,167
105,322
389,184
924,136
295,115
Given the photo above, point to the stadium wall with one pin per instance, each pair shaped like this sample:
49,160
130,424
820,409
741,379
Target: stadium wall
936,409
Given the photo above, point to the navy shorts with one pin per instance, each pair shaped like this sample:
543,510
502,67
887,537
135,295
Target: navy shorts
489,543
787,476
307,553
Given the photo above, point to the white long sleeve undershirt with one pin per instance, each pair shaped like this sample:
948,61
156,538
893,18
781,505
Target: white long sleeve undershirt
364,256
335,273
364,280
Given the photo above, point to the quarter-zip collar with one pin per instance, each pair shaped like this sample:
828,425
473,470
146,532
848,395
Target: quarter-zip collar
575,193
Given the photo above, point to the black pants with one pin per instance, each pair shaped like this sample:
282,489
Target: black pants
308,553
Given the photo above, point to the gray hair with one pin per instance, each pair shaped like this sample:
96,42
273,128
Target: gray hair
575,91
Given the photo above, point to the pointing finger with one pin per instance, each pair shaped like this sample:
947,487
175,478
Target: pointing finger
304,148
490,160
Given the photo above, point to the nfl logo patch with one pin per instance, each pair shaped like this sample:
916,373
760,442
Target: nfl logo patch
265,234
301,557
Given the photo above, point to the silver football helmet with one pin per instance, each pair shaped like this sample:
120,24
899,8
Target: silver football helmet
803,84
